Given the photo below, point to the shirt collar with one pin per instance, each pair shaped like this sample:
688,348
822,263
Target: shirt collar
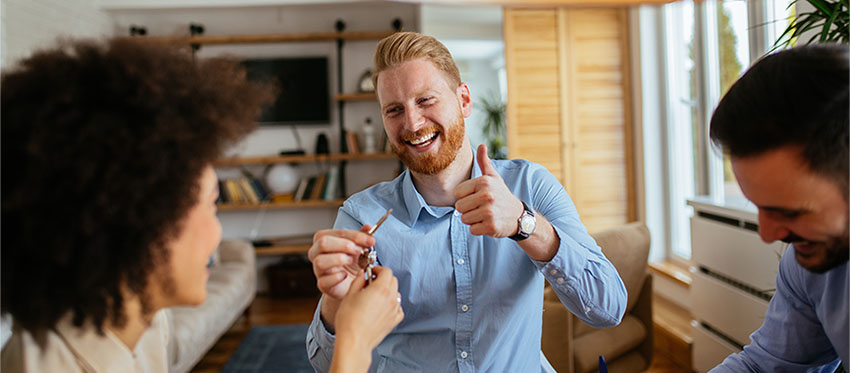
103,353
414,201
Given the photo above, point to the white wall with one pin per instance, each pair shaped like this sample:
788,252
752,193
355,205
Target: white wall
473,35
28,25
357,57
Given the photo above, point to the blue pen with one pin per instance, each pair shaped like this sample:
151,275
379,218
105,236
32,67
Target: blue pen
602,367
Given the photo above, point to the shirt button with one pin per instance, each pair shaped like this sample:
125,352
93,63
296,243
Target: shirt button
586,309
460,261
560,281
463,354
464,308
456,213
553,272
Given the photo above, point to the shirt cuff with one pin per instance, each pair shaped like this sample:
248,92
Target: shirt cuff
568,264
318,336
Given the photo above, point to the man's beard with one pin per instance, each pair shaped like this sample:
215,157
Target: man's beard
430,164
835,252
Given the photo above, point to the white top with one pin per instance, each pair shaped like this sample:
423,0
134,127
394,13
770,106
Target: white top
72,349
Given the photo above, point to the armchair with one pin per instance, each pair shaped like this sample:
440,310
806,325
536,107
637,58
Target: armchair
572,346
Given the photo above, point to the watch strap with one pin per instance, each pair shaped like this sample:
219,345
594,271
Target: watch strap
520,235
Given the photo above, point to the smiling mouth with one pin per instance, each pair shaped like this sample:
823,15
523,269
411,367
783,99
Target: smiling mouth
423,141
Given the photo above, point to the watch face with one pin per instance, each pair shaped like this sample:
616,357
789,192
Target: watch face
527,224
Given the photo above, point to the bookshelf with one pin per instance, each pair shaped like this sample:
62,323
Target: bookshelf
282,249
234,162
342,98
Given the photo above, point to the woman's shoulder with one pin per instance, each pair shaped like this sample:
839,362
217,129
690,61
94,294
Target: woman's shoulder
24,353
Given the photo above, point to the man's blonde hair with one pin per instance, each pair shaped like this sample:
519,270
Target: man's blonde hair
402,47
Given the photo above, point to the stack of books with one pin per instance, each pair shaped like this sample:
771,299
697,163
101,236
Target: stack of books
323,187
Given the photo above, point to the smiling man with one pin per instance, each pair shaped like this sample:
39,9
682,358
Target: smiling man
785,126
471,240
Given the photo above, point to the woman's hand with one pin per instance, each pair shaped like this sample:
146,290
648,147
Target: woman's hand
365,317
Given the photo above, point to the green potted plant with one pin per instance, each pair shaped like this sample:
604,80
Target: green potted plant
830,22
494,126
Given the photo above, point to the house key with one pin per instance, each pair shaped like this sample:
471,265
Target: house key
368,256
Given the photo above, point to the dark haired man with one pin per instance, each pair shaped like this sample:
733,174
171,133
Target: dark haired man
785,126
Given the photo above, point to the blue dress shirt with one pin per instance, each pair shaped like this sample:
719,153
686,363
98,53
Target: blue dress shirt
474,303
805,327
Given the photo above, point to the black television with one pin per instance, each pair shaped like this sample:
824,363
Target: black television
303,94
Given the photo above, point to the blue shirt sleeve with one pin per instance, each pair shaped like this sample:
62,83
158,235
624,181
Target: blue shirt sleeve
791,337
583,278
320,342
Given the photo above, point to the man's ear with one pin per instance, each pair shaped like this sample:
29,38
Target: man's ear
465,99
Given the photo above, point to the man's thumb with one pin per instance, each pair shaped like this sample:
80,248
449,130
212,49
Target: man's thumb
484,162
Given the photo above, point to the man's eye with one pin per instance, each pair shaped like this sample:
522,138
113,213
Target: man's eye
790,214
393,110
424,100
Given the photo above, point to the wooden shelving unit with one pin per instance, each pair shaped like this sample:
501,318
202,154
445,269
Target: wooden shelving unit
279,205
360,96
270,38
232,162
282,249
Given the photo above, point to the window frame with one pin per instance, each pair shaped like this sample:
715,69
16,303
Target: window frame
709,177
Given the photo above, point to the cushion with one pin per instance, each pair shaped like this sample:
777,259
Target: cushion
627,247
610,343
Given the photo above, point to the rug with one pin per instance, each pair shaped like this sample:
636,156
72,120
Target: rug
273,348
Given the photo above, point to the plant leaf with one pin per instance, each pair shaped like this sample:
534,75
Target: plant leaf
821,5
825,33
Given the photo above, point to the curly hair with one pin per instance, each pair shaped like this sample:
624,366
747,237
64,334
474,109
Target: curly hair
797,97
103,147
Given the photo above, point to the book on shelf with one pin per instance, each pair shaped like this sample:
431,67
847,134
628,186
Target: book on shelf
259,188
351,141
302,187
248,190
332,184
319,187
234,195
222,193
308,191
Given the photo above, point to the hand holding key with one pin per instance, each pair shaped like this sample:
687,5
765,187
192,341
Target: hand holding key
338,255
365,317
332,251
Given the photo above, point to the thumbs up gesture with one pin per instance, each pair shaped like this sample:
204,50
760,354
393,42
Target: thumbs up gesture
486,203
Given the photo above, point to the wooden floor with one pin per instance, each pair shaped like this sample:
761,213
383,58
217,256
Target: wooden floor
263,311
270,311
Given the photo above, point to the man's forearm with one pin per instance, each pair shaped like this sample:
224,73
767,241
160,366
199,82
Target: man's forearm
543,244
328,312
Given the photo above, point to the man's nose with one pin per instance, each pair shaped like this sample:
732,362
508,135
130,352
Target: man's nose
770,230
414,119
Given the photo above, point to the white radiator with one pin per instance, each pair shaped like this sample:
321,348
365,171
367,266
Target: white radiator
733,278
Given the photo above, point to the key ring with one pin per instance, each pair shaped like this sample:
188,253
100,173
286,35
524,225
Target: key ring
368,256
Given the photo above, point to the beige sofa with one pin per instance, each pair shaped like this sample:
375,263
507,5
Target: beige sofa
230,290
572,346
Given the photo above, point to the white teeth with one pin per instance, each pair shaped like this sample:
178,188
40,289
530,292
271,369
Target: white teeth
420,140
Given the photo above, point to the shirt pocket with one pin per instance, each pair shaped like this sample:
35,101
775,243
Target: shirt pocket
390,365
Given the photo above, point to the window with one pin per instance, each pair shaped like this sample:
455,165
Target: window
706,46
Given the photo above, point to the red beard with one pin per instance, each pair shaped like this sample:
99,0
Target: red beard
430,164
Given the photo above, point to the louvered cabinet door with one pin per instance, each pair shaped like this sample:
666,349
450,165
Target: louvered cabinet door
569,107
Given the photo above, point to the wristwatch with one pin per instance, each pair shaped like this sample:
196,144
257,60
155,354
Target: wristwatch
525,224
